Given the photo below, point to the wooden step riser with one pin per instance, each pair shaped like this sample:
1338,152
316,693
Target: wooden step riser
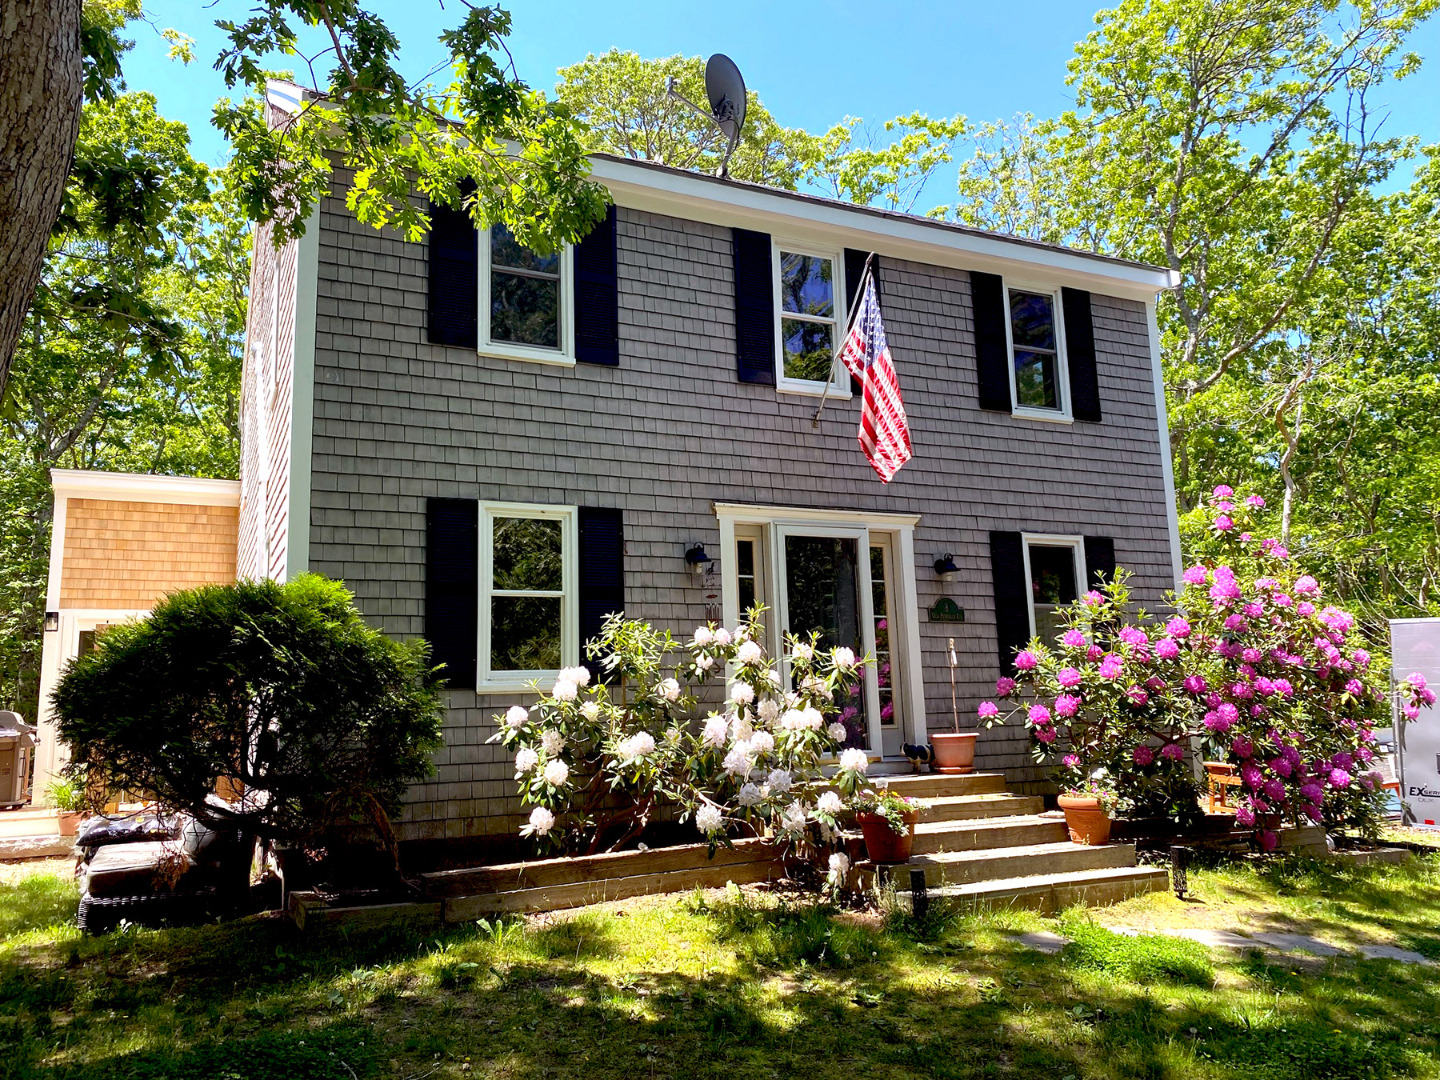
979,839
931,785
1051,899
1012,806
1065,859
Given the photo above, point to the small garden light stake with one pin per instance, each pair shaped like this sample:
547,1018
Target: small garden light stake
1179,866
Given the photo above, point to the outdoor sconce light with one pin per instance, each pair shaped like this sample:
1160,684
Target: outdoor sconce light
697,561
946,568
52,620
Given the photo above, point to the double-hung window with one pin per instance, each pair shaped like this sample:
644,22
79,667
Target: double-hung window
526,300
1038,380
810,309
528,575
1054,569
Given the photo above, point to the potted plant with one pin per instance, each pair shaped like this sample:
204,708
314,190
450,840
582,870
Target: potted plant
953,751
68,798
1089,808
887,821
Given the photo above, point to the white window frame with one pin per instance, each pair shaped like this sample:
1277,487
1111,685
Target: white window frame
1064,414
486,679
510,350
1077,546
839,386
769,524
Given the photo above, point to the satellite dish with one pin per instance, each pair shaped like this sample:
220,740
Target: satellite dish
725,89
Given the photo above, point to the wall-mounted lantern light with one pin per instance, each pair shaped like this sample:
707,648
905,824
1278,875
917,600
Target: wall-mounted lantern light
52,620
945,567
697,561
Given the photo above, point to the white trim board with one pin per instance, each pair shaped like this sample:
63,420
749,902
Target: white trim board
302,400
767,515
1162,417
143,487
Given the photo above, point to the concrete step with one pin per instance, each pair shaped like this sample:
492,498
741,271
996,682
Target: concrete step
964,807
1028,860
930,785
1051,893
991,832
38,821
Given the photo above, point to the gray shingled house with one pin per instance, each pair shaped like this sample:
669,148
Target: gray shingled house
494,449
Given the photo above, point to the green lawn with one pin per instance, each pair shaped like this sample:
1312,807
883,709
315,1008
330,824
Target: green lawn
729,986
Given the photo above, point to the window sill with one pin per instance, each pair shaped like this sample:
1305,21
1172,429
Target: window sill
813,390
1046,416
553,358
519,686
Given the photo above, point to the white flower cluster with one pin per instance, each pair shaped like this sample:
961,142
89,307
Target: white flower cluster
552,742
839,865
541,820
838,732
742,693
516,717
709,819
803,651
556,772
748,653
793,818
639,745
844,658
854,760
590,710
806,719
704,637
830,803
526,760
669,689
716,732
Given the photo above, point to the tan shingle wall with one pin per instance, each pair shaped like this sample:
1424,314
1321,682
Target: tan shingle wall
127,555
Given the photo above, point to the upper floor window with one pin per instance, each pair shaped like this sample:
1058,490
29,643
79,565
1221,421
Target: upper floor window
1055,566
526,300
1037,351
810,320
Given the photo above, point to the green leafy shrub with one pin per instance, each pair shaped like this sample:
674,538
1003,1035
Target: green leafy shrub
1143,958
280,691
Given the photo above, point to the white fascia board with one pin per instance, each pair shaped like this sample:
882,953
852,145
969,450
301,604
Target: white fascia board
748,514
143,487
698,198
1162,424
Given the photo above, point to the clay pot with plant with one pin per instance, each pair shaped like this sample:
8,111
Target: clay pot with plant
887,821
67,796
1089,808
954,750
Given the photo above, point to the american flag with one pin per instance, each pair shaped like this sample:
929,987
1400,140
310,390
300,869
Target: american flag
884,434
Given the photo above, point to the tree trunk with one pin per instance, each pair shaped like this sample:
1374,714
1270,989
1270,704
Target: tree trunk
40,97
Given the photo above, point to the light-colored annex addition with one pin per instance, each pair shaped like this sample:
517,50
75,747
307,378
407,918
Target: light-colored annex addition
120,543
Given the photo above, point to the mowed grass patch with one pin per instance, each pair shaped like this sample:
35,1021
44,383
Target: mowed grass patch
727,984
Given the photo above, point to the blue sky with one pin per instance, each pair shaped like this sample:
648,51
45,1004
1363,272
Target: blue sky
810,63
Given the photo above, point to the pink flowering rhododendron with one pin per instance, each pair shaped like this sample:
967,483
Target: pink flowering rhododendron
1243,661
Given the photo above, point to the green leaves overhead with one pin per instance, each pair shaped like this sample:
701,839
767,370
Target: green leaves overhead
389,139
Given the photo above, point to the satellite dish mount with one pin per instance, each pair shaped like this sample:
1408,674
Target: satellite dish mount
725,89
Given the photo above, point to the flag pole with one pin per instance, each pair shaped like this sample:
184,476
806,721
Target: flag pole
849,323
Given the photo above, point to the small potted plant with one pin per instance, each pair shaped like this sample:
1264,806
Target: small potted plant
68,798
954,750
1089,807
887,821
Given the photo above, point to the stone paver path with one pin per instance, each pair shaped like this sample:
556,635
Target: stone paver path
1047,942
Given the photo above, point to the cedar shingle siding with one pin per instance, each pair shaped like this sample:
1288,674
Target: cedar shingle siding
671,430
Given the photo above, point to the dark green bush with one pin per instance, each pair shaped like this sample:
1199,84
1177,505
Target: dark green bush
280,691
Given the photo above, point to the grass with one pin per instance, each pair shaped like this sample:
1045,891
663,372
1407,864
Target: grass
733,985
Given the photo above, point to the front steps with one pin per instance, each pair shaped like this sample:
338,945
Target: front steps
981,845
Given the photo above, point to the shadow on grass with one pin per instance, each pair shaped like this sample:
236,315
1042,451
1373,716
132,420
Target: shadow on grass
810,992
36,903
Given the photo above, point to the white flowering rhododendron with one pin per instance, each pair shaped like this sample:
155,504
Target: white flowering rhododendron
598,757
1250,662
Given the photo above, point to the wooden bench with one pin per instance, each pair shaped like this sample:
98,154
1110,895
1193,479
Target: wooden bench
1218,777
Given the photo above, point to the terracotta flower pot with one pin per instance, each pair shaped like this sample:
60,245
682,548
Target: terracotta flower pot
954,752
1087,822
68,821
882,843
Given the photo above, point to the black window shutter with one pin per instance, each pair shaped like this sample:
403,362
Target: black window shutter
1080,355
602,573
854,267
452,586
597,302
1099,560
1012,602
454,253
754,307
992,355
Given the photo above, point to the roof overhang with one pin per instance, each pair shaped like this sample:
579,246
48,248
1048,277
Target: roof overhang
143,487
